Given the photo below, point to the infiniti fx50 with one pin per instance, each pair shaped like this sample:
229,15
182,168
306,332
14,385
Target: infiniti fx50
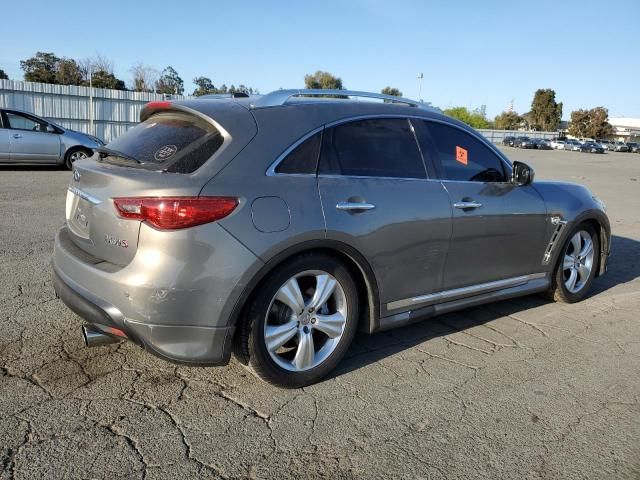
277,226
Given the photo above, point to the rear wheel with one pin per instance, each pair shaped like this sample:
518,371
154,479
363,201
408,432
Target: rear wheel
576,266
300,322
75,154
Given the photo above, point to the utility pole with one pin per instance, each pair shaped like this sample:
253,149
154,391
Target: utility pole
420,77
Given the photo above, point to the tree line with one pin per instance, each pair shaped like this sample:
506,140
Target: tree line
98,71
545,113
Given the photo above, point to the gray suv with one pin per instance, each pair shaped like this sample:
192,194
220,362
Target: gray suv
277,226
26,138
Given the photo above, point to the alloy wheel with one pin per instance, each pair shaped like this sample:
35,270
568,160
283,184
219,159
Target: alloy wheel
305,320
578,261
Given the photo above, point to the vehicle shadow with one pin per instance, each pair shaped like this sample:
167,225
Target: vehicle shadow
623,267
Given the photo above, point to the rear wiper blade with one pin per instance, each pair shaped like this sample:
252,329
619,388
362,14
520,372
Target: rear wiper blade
107,152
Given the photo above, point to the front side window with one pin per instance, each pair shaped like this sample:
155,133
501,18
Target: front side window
21,122
384,147
461,157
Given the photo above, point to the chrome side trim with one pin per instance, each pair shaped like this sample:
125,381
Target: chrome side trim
560,224
481,138
464,291
84,195
280,97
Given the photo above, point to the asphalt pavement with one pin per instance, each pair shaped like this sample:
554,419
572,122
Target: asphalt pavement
522,388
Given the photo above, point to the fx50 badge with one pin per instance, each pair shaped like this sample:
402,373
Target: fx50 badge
116,242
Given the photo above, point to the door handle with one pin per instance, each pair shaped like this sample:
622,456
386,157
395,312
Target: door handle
17,135
465,205
351,206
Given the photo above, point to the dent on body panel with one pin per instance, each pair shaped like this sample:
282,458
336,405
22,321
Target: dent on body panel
192,270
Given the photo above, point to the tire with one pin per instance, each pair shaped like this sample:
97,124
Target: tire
560,290
76,153
289,363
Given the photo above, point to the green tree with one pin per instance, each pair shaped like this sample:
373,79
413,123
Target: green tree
322,80
204,86
170,82
391,91
104,79
507,121
3,76
546,113
68,72
592,123
42,67
473,118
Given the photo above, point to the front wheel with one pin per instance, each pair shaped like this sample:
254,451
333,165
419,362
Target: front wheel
300,322
576,266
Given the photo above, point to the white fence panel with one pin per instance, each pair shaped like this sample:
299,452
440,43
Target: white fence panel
114,111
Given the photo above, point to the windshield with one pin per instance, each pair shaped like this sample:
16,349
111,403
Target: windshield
168,141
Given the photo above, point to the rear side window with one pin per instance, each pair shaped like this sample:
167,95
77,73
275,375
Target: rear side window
168,141
460,156
372,148
303,158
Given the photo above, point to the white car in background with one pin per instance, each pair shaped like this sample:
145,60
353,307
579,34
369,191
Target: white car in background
572,145
557,144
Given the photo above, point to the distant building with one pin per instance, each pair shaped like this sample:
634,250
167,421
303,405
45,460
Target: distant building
626,129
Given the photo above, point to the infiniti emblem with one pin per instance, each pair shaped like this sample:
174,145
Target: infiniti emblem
76,175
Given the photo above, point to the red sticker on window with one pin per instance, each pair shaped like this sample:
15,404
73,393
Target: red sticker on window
461,155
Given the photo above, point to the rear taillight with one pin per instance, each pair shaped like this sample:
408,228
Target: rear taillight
172,213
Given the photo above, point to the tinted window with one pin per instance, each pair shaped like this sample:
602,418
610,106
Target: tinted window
304,158
171,141
21,122
461,156
372,148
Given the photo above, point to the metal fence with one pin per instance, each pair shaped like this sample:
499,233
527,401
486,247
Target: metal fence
114,111
497,136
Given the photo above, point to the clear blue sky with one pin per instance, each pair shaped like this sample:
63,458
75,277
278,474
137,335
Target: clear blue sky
471,52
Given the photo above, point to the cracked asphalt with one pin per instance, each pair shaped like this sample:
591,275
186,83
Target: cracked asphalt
518,389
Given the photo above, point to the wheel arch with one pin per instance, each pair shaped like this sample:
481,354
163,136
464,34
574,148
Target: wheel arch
359,267
598,220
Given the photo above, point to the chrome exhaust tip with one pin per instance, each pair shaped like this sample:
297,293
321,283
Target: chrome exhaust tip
93,337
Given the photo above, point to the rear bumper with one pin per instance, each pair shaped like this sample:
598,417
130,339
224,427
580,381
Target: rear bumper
193,345
174,297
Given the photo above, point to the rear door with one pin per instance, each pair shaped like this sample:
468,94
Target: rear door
29,140
376,197
498,228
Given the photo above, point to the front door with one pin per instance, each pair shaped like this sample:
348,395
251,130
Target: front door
29,140
376,197
4,142
498,228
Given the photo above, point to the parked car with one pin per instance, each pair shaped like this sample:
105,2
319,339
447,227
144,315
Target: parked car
26,138
591,147
620,147
278,226
603,143
557,144
633,147
524,142
572,145
508,141
542,144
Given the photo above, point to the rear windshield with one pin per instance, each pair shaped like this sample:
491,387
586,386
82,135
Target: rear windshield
167,141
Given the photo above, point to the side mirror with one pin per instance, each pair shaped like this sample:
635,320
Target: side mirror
522,174
50,129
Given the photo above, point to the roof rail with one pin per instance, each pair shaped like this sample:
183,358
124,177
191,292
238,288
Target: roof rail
280,97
